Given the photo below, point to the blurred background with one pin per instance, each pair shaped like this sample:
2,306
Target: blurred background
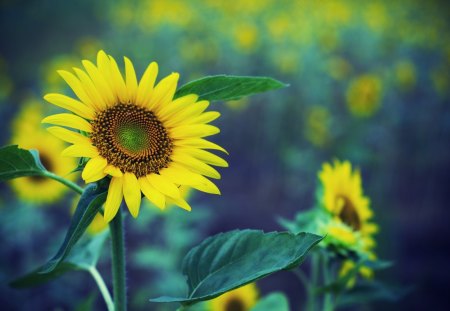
369,82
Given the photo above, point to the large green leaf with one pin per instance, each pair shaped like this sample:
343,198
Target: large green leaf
229,260
16,162
83,257
223,87
89,205
274,301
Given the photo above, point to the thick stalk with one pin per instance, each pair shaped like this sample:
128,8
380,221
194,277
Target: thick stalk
118,263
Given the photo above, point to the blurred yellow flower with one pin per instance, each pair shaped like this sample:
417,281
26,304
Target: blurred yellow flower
343,198
28,134
240,299
317,124
405,74
364,95
246,37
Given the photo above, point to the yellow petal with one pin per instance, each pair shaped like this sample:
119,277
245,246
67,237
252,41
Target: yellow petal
118,83
166,111
193,131
114,198
131,80
164,185
104,67
203,118
94,169
180,202
164,91
153,195
204,156
145,88
69,120
91,90
132,193
71,104
186,114
113,171
195,165
80,150
100,83
77,87
180,175
68,135
199,143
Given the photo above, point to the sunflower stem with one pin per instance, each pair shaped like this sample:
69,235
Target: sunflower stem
102,287
64,181
118,263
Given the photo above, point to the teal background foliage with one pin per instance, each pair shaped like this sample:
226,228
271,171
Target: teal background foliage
369,82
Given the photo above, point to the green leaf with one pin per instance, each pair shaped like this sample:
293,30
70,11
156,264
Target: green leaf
84,256
370,291
223,87
275,301
89,205
229,260
16,162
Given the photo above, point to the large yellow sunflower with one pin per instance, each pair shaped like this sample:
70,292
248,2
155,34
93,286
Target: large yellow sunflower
240,299
136,133
27,135
343,197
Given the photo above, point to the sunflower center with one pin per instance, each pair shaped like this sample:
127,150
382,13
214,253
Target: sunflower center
132,138
235,305
348,213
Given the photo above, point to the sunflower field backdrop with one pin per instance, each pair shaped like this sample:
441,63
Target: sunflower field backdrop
355,149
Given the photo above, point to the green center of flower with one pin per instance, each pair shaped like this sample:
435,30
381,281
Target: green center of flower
348,213
132,138
235,305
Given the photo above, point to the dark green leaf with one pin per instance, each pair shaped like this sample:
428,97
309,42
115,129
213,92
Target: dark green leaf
35,278
16,162
229,260
89,205
369,291
274,301
87,304
223,87
83,256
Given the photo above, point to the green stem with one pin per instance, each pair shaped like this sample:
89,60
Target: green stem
102,287
64,181
327,299
311,303
118,262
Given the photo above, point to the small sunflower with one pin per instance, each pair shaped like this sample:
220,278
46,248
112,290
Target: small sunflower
136,133
344,199
240,299
27,135
364,95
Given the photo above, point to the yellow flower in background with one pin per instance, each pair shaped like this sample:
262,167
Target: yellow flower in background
240,299
364,95
348,266
246,37
344,199
405,74
28,134
339,234
317,124
136,133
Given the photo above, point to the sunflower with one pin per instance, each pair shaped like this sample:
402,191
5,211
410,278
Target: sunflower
350,226
27,135
343,198
364,95
136,133
240,299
